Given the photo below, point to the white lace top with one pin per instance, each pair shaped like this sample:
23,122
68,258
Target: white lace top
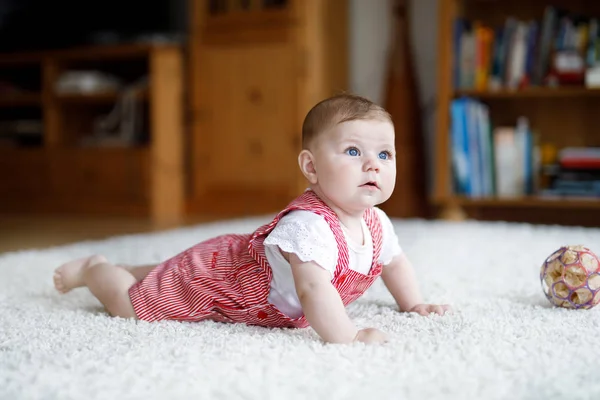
309,236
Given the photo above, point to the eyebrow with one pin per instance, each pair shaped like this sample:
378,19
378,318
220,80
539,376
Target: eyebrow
358,141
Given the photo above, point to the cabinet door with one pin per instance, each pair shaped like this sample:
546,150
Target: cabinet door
245,142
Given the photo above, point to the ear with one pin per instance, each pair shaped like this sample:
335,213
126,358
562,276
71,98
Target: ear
307,166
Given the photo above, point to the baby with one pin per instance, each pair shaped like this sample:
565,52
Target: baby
316,256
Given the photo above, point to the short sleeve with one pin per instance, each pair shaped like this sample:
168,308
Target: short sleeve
307,235
390,247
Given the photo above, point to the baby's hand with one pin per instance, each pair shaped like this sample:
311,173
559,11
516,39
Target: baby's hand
426,309
371,336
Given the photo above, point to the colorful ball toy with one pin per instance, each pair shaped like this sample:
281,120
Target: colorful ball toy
571,278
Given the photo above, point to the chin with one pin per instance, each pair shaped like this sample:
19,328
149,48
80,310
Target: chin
374,198
368,204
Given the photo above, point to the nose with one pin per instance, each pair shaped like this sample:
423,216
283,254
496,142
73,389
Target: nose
371,164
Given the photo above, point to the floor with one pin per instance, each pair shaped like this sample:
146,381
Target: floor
21,232
501,343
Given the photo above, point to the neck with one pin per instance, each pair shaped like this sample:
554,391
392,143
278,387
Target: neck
351,219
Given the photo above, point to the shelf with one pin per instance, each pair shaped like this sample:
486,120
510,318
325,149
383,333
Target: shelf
15,59
530,202
83,53
96,98
559,116
111,52
20,100
530,93
62,151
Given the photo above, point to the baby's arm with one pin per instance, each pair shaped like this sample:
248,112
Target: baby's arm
323,307
400,279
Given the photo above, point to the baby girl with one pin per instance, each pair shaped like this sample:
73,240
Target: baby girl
316,256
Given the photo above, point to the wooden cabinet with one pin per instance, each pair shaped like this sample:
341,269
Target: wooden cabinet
62,173
248,127
255,69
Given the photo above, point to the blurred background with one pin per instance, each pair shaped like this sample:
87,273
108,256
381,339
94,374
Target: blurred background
131,116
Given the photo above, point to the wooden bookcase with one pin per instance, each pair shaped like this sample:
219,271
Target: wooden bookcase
563,116
256,68
55,173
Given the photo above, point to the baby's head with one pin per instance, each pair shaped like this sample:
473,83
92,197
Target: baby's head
339,109
348,153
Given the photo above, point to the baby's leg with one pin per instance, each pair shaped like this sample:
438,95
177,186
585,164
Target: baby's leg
66,278
108,283
139,272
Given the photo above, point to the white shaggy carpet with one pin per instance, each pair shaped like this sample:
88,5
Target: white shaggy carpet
504,342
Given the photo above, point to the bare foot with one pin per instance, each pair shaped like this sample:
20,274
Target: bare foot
70,275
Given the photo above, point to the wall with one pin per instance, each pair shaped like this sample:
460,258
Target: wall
370,34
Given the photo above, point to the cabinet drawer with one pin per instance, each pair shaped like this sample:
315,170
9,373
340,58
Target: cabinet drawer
23,172
111,174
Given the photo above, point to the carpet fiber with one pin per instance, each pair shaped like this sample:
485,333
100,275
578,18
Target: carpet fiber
504,340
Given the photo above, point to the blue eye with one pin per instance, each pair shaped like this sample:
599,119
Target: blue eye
384,155
352,151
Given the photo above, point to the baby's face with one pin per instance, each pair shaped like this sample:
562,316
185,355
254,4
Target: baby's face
355,163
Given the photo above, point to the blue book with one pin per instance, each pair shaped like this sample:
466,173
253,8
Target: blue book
460,146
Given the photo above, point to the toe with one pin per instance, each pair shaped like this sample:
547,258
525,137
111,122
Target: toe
58,283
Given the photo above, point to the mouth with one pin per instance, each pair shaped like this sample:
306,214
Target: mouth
370,184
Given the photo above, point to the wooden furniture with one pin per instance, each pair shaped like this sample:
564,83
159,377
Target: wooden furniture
57,173
564,116
256,68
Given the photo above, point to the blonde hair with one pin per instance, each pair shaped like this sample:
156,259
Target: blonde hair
337,109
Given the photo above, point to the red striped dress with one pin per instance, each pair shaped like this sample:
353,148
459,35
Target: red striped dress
228,278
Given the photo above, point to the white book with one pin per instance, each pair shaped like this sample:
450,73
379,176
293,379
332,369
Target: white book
506,160
518,56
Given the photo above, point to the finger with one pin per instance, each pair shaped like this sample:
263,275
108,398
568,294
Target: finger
448,309
438,310
424,311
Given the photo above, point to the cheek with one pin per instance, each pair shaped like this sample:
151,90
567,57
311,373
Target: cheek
339,178
338,166
389,172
